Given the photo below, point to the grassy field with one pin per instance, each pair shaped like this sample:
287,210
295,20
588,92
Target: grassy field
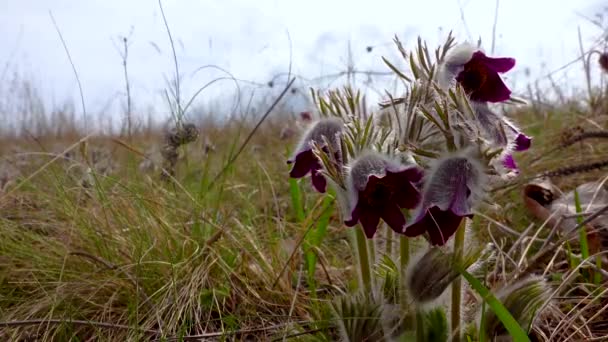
97,244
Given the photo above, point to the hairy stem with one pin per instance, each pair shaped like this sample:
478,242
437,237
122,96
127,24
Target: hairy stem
389,243
404,258
420,334
457,284
363,255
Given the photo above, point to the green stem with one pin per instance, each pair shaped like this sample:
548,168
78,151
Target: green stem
364,266
420,333
404,258
457,284
371,248
389,242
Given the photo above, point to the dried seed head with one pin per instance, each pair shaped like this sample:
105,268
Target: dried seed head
179,136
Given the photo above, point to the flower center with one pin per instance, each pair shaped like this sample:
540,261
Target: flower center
379,194
474,76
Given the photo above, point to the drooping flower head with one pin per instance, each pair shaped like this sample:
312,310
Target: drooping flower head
450,192
501,133
306,116
477,73
378,189
305,161
603,61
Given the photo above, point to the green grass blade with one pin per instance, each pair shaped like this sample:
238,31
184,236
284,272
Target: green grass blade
296,199
516,331
316,236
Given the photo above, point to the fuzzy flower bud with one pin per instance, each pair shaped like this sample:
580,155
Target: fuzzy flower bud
451,190
305,161
379,188
476,73
430,275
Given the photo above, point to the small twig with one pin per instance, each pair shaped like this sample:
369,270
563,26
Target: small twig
494,26
307,332
297,246
244,144
77,322
177,75
234,332
67,51
113,267
567,237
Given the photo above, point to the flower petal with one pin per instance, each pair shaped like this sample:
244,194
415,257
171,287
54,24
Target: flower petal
501,64
416,227
407,195
509,162
303,163
392,215
354,217
441,225
369,220
492,90
318,181
522,142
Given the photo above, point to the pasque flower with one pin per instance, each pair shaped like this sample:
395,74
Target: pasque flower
378,189
477,73
304,160
500,132
449,193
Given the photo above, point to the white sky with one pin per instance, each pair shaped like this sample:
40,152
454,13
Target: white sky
249,39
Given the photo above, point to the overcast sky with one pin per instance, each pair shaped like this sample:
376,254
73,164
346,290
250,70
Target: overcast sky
249,39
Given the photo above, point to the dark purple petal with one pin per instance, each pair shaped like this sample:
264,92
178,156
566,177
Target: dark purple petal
480,78
318,181
369,220
354,217
415,228
522,142
492,89
406,195
305,161
460,199
392,215
502,64
509,162
441,225
367,216
306,116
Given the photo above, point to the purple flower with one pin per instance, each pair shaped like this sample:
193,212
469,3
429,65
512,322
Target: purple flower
378,189
477,73
498,129
304,160
522,142
306,116
448,196
603,61
509,163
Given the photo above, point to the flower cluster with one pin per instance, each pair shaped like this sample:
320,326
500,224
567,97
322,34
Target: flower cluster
420,164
